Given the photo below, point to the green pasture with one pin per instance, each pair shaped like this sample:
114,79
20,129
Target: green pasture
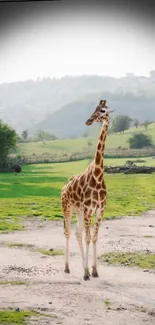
37,193
62,146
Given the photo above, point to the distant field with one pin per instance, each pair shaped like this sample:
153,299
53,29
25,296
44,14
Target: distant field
62,146
37,193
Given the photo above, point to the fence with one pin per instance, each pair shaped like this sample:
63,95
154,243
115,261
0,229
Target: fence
111,153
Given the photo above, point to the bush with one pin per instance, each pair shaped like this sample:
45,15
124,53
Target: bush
8,140
140,140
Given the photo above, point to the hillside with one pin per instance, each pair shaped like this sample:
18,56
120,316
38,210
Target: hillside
30,104
69,121
62,146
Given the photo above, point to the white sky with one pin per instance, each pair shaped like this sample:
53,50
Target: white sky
77,44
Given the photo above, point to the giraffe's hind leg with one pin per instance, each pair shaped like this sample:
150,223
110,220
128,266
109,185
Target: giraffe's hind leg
67,220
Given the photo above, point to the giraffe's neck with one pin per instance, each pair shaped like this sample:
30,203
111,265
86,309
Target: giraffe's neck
98,160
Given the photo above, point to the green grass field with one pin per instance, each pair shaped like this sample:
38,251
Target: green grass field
37,193
62,146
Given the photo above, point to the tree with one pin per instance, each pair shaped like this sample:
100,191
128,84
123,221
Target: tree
8,140
140,140
136,123
43,135
25,134
121,123
145,124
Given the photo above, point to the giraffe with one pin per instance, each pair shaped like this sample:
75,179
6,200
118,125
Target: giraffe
86,194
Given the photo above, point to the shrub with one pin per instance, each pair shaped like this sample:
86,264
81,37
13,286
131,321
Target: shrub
140,140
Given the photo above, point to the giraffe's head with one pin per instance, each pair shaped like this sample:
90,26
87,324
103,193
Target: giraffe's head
101,113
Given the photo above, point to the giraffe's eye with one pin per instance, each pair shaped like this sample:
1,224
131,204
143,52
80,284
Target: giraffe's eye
102,110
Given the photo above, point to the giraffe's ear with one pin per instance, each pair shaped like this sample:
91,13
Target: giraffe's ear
102,103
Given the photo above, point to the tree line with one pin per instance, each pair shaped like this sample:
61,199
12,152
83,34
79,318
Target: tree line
40,135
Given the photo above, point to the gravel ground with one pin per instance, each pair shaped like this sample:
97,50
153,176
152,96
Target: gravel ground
120,296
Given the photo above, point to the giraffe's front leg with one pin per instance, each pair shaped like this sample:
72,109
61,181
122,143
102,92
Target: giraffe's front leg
79,230
99,214
67,219
87,221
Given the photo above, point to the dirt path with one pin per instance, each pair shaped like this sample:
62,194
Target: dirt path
70,300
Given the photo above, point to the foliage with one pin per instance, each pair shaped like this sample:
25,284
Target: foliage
121,123
8,139
140,140
136,123
37,193
42,135
25,134
146,123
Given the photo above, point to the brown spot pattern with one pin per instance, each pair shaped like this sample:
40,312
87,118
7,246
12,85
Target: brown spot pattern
98,186
75,185
88,177
88,193
85,188
76,198
102,194
94,204
99,146
79,191
95,195
100,177
92,182
101,137
97,171
82,180
87,202
98,158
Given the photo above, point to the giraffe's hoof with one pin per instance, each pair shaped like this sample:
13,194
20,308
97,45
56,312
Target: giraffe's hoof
86,274
67,270
86,277
95,274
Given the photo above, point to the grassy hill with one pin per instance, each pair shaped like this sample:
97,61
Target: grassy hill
62,146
